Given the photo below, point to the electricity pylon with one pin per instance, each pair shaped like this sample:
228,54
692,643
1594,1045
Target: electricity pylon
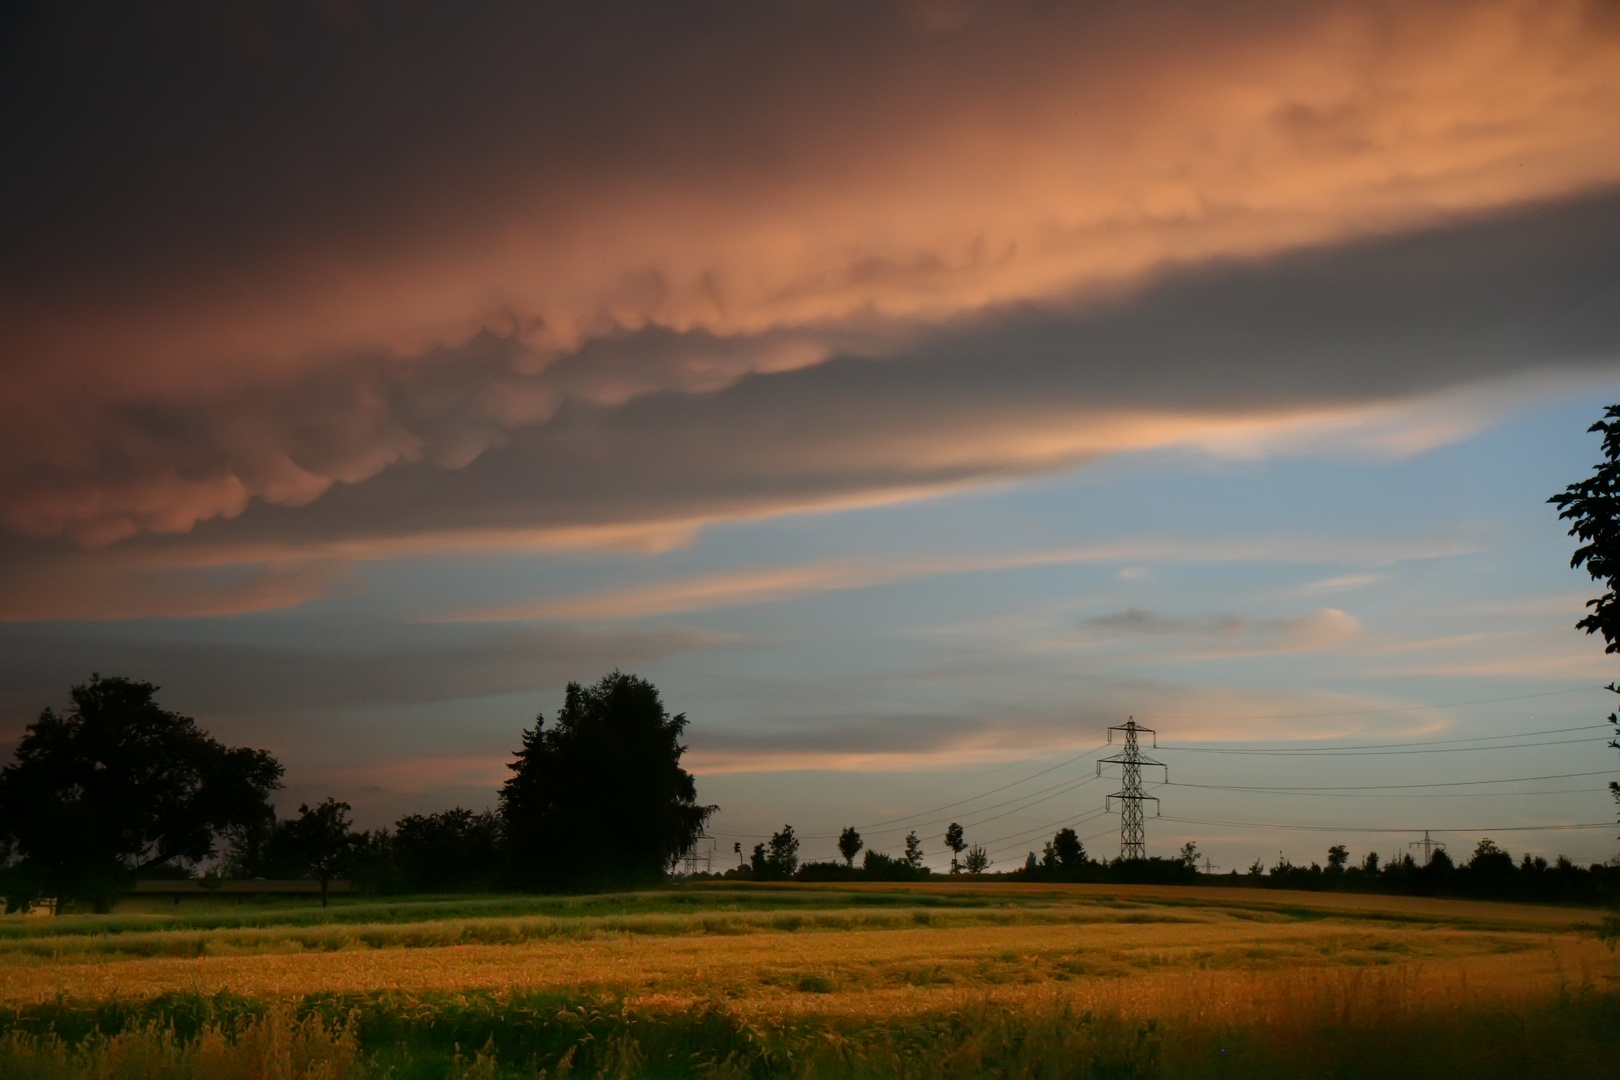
1130,795
1429,847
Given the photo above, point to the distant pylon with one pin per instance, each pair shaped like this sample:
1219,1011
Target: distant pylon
1130,795
1429,847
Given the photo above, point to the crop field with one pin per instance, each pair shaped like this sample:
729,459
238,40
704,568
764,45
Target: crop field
881,980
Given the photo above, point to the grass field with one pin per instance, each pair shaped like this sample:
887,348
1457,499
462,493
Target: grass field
892,980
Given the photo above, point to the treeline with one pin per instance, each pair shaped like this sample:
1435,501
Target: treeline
118,788
778,860
1489,873
456,850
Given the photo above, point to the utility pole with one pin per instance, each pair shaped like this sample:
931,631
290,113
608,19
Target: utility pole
1130,761
1429,847
1209,867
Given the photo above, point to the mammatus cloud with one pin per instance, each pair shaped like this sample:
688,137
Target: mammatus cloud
537,230
1376,349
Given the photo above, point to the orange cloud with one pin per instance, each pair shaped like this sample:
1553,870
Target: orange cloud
738,187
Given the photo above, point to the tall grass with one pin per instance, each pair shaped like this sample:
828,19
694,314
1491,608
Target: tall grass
518,930
1339,1026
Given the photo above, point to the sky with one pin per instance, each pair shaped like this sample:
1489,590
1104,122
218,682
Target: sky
911,389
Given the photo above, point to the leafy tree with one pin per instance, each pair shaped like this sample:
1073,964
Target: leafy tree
914,851
320,841
978,860
1369,865
779,860
1189,856
601,795
1592,506
1338,858
453,849
957,843
1065,851
1490,865
118,786
783,854
849,844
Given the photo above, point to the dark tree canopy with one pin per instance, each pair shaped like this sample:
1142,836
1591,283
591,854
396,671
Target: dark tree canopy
601,795
914,852
1064,851
957,842
1592,507
453,849
849,844
117,786
320,841
778,861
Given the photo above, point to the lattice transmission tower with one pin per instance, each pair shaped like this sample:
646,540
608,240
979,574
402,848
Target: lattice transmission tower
1130,761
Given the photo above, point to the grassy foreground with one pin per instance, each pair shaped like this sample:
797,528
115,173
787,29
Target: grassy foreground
912,981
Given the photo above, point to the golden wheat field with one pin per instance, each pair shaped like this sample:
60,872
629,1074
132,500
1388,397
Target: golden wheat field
1135,947
771,957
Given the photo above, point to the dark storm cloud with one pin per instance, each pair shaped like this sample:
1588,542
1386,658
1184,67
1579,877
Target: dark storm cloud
1022,389
279,253
1200,354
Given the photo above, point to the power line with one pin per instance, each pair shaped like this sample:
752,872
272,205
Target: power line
1025,801
1065,788
1352,751
1389,787
1380,829
1022,838
1373,712
1405,744
992,791
1436,795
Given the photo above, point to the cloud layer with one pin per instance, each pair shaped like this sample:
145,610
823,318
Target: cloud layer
485,266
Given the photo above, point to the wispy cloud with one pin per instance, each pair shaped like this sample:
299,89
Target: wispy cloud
1228,634
1341,583
757,585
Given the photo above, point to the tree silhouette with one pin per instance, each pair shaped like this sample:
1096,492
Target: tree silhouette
957,843
320,841
1338,858
1189,855
601,795
778,860
1592,506
849,844
783,853
453,849
1064,851
978,860
118,786
914,852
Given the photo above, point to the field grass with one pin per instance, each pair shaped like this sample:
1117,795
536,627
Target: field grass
901,980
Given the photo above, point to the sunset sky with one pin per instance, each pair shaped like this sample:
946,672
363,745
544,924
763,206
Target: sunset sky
911,389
